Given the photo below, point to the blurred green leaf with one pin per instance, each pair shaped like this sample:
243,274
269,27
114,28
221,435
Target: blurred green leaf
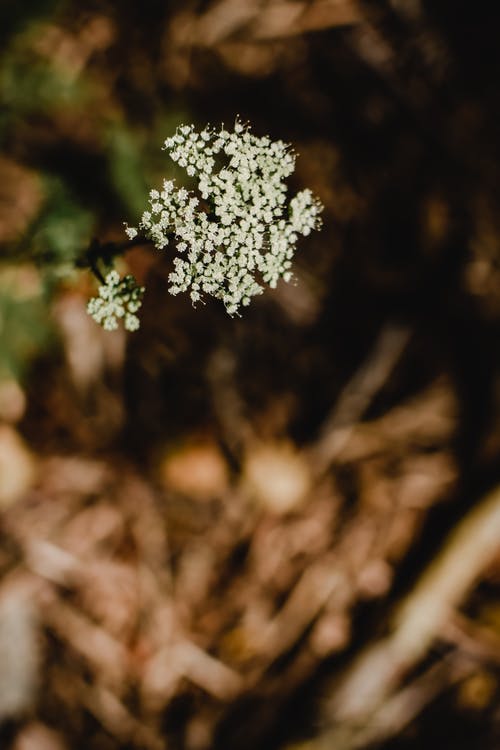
127,169
16,16
34,85
60,232
25,326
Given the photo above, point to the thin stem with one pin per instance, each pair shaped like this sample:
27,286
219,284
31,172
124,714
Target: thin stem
105,252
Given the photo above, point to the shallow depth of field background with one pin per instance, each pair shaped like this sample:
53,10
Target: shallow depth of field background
279,531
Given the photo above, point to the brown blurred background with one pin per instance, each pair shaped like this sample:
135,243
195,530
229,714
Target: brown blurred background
282,531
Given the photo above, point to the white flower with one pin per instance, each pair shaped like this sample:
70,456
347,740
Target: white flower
131,232
244,231
117,298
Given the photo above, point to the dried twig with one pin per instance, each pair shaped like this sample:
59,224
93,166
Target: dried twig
376,675
358,394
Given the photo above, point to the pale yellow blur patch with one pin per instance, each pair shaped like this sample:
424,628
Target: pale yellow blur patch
17,466
12,401
277,476
197,470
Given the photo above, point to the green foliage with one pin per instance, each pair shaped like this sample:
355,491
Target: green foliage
16,16
24,320
30,86
51,245
83,151
31,83
60,231
126,167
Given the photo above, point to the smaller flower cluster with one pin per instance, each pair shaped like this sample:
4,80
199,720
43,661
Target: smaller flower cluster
117,298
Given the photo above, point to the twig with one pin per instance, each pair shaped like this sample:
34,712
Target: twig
105,252
375,676
358,394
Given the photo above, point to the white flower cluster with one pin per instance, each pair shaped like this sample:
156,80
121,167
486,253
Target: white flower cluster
118,298
239,225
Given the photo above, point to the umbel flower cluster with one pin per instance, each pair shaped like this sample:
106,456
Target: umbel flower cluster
118,298
235,230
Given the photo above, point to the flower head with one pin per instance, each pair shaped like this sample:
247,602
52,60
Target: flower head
237,229
117,298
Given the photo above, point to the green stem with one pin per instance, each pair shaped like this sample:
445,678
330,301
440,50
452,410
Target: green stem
105,252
